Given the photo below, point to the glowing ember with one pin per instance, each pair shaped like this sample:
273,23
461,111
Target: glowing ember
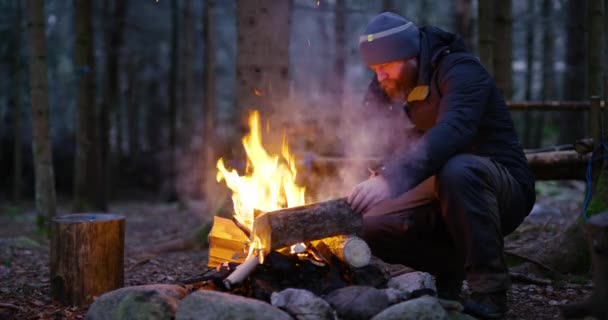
257,92
269,182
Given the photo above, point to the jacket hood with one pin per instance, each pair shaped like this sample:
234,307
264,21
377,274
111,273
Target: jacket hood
434,44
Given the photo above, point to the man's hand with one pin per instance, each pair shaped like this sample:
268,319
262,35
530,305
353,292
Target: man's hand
369,193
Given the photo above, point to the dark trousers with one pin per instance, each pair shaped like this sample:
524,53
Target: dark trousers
452,225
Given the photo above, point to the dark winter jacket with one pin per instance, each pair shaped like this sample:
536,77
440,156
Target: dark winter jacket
464,112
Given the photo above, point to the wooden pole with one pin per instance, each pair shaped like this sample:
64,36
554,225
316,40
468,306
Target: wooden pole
87,256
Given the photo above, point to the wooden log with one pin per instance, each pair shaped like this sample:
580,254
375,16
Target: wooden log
350,249
242,271
286,227
596,230
87,256
558,165
227,243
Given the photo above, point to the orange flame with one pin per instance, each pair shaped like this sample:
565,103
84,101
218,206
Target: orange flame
270,180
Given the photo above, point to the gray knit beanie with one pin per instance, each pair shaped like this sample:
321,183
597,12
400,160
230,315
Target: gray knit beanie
389,37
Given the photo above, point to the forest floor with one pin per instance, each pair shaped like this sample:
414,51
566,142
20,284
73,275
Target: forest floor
24,254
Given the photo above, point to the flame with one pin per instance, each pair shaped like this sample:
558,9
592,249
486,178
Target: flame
269,182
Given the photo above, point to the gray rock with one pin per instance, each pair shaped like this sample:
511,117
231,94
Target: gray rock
394,295
455,315
423,308
303,305
205,304
157,301
412,281
358,302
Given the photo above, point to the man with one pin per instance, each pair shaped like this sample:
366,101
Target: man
444,203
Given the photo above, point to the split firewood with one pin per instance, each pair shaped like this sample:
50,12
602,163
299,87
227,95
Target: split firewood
242,271
281,228
349,249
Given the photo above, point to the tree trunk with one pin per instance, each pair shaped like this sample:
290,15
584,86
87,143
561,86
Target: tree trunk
133,110
574,83
529,114
281,228
41,142
187,77
463,25
340,60
114,27
263,31
172,89
485,14
85,168
87,256
17,108
387,6
209,106
502,50
597,240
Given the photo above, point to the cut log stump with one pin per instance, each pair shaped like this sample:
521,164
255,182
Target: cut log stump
87,256
596,230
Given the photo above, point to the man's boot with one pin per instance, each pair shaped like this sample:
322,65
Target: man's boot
487,305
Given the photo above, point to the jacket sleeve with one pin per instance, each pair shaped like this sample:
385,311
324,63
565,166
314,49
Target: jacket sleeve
466,88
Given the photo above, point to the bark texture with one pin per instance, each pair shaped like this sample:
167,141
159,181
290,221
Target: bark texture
87,256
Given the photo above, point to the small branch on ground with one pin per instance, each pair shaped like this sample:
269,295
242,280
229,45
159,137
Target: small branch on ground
9,306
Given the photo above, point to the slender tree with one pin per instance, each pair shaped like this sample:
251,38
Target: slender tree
114,22
502,50
485,13
186,114
575,87
340,56
85,167
209,105
528,115
172,89
17,108
41,142
387,6
548,74
263,31
463,21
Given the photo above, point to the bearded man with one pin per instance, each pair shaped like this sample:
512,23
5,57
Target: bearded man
444,204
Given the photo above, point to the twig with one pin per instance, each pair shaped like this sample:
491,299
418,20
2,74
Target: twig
242,271
531,260
9,306
139,263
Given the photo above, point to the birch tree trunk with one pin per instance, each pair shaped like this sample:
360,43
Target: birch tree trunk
85,168
502,49
17,110
485,13
41,142
263,54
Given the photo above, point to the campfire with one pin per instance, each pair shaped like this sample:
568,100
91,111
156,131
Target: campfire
274,232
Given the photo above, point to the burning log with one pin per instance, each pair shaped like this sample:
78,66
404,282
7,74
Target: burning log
281,228
350,249
87,252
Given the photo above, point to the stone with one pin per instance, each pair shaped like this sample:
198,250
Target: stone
412,281
303,305
206,304
357,302
394,295
455,315
157,301
423,308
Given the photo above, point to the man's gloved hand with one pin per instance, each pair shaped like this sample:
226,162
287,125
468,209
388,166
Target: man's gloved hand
369,193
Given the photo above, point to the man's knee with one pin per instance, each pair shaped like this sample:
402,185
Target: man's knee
458,172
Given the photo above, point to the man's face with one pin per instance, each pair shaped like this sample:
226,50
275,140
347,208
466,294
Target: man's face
397,78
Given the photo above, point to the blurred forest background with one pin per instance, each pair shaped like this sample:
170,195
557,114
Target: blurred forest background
144,96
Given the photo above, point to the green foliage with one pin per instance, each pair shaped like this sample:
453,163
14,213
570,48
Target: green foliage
599,201
42,224
24,242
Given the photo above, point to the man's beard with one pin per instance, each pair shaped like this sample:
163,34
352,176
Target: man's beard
394,89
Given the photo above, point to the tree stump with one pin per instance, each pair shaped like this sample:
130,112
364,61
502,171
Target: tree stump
87,256
596,230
